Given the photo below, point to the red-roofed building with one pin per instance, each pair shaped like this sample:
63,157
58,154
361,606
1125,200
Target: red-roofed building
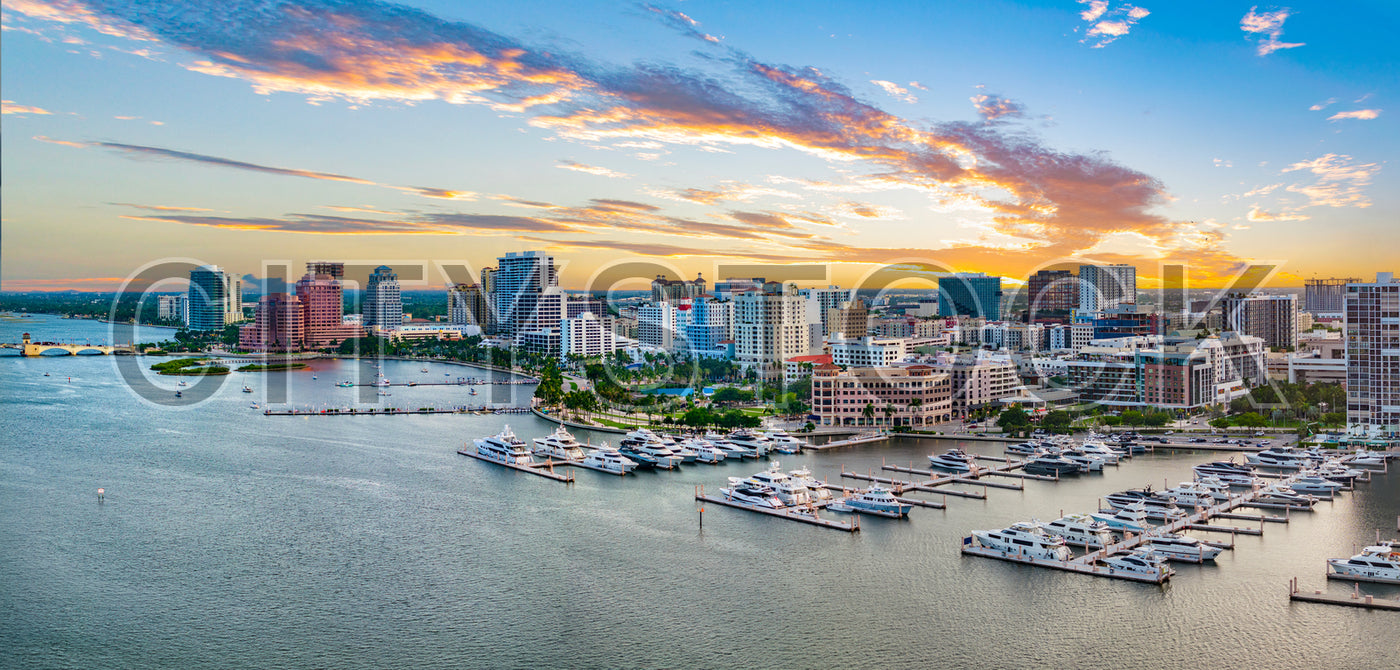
798,367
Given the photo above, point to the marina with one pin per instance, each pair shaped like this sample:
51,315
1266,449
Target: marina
1354,599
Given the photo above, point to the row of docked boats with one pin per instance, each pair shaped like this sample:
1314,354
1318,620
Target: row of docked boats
1039,541
798,489
1323,479
1062,456
639,448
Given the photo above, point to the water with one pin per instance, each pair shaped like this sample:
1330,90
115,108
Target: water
228,538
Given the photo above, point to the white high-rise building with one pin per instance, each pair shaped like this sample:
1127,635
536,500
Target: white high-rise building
1373,358
656,325
233,298
707,323
770,327
586,335
824,299
173,307
1105,286
515,275
383,304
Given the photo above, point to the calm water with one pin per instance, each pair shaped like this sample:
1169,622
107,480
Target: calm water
228,538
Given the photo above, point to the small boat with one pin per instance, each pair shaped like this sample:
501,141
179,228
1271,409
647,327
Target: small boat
411,384
472,392
559,444
505,447
876,499
425,369
384,393
182,383
1178,547
178,394
609,459
313,378
246,389
46,374
1081,530
953,460
1377,563
1024,538
1316,485
1140,562
1133,518
756,495
345,384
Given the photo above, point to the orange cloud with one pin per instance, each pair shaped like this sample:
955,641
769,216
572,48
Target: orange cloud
12,107
1360,114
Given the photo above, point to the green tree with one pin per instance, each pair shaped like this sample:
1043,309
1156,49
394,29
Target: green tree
1132,417
551,387
868,412
1013,419
1056,421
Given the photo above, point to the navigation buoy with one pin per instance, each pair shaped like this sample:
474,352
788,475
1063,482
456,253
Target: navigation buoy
101,494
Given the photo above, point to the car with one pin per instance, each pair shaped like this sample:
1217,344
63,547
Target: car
1259,433
1221,440
1265,443
1197,440
1167,433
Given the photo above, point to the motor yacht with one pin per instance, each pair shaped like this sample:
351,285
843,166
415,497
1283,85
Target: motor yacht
1133,518
816,489
505,447
1229,472
559,444
1218,489
735,451
1363,458
1025,538
1081,530
604,457
1376,563
784,443
1190,495
654,452
704,451
1177,547
750,440
756,495
1096,448
1023,448
1276,494
1284,459
788,490
1157,505
1051,464
877,499
1141,562
1338,473
1316,485
1087,462
953,460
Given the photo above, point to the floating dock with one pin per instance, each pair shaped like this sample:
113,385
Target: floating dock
545,469
1354,599
1078,565
850,441
803,514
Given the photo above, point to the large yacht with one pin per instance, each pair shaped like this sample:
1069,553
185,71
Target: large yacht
1081,530
953,460
1277,494
1278,457
749,439
756,495
1181,547
784,443
704,451
1376,563
817,489
1049,464
1097,448
1087,462
1157,505
1132,517
1316,485
734,450
877,499
505,447
653,451
787,489
1024,538
1023,448
559,444
606,458
1191,495
1140,561
1231,473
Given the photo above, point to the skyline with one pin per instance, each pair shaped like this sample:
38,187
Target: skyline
236,132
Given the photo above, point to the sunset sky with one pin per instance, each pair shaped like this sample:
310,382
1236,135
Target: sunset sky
975,136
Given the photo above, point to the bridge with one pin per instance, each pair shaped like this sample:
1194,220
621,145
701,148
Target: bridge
31,348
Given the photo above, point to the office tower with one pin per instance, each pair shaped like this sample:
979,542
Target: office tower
517,274
770,327
1051,292
656,325
586,335
208,298
278,325
335,270
823,301
707,323
970,294
676,290
488,292
466,305
1274,318
323,311
1105,286
1373,358
383,305
1326,296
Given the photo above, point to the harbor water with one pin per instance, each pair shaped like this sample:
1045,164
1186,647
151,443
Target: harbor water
227,538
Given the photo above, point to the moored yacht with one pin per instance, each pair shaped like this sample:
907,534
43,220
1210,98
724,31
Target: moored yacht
753,494
749,440
1088,462
1024,538
1228,472
877,499
1048,464
1316,485
788,490
505,447
1191,495
1133,518
1096,448
1376,563
1277,494
735,451
559,444
1023,448
704,451
1179,547
606,458
784,443
1081,530
817,489
953,460
1141,562
1286,459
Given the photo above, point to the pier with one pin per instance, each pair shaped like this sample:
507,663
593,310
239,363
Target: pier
1354,599
545,469
804,514
863,438
386,411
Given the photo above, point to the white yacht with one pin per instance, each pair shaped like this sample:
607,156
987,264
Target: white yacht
1024,538
788,490
1088,462
1276,494
1023,448
953,460
1048,464
1233,474
1156,504
817,489
756,495
1376,563
680,448
734,450
1363,458
876,499
749,439
606,458
1181,547
1133,518
505,447
1097,448
1316,485
559,444
1141,561
1218,489
1285,459
1081,530
704,451
784,443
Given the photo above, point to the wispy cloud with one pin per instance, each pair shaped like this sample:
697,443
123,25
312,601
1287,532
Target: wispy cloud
1106,23
591,169
1362,114
1266,28
1322,105
895,90
160,208
12,107
728,191
1257,215
1340,181
993,107
1221,162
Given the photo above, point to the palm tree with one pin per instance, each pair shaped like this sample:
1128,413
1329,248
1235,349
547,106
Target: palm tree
888,410
868,411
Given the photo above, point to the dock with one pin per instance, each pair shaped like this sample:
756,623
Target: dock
971,547
1354,599
805,514
864,438
545,469
395,411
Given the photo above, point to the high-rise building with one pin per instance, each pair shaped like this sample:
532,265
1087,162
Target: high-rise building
277,325
852,319
1326,296
656,325
676,290
1105,286
824,300
728,288
383,304
1051,293
913,396
466,305
336,270
233,299
587,335
1125,321
770,327
208,298
323,311
1274,318
518,274
707,323
1373,358
970,294
488,291
172,307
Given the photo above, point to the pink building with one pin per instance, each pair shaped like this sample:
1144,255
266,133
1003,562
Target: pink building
276,327
322,308
914,396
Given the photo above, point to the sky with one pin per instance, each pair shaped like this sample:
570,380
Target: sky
997,137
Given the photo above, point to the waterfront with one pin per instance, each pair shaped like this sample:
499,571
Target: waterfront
231,538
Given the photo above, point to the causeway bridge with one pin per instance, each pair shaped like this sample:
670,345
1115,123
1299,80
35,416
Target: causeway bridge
31,348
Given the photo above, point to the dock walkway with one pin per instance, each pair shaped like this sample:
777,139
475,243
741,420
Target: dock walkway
804,514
